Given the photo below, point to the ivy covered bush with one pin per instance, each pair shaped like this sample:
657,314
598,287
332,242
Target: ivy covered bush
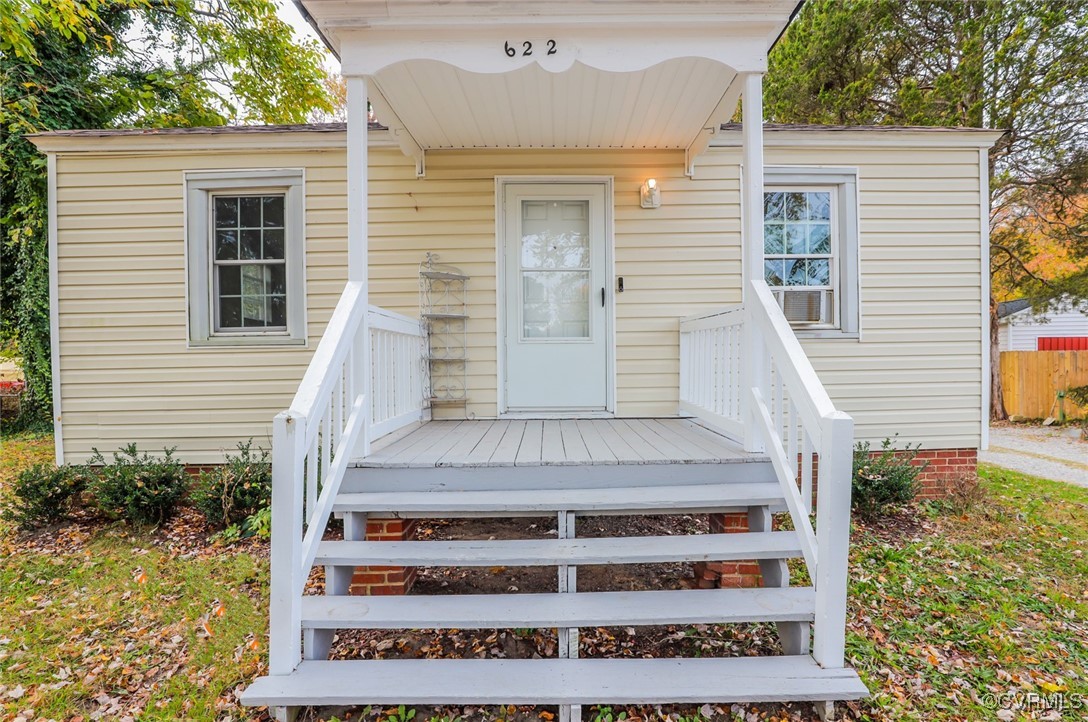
139,488
237,490
44,494
885,480
1079,395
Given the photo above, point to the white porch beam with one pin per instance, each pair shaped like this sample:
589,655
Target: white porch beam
752,189
358,235
615,47
722,112
385,114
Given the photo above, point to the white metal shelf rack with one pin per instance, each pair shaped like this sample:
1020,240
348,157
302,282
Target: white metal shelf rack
443,306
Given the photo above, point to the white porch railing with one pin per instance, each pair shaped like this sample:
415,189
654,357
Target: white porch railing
710,368
314,440
399,371
783,405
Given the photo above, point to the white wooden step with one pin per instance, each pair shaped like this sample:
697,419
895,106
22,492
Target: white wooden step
644,499
584,609
553,552
555,681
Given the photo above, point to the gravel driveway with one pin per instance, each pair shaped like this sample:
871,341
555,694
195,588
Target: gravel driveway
1039,451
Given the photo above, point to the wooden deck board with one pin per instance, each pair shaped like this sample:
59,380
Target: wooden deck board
623,451
584,609
554,442
483,451
558,552
573,444
531,444
644,499
598,450
556,681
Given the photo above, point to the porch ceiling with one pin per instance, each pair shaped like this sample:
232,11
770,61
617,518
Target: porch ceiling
664,106
551,73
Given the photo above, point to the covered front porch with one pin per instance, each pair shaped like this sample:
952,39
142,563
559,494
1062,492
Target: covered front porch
751,419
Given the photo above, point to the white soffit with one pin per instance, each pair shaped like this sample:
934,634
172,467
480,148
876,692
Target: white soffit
330,14
663,106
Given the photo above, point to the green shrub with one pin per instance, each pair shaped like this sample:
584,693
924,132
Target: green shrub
235,491
43,494
888,479
139,488
259,524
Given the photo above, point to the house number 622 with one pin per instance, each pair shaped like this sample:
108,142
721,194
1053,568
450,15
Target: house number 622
527,48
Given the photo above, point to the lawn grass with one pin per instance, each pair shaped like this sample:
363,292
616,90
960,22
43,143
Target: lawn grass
21,451
114,623
960,610
988,605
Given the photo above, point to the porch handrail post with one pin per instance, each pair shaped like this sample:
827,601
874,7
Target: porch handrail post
285,605
833,539
358,124
755,372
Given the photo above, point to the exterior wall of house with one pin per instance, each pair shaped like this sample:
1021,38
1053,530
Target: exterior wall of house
1022,331
917,369
127,374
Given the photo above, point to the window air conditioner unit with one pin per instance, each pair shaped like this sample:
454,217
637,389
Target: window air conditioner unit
803,306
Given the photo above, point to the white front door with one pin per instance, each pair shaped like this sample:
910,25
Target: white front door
557,297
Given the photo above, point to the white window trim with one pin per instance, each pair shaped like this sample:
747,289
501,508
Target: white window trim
200,186
845,268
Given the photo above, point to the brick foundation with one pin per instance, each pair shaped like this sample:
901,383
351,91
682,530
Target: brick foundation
709,575
943,466
380,581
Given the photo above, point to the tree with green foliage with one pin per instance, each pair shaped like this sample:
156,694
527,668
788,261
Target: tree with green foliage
67,64
1020,66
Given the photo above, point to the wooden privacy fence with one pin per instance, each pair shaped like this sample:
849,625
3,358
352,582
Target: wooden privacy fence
1031,380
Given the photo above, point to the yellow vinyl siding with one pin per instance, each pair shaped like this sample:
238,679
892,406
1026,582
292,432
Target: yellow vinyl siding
127,374
916,371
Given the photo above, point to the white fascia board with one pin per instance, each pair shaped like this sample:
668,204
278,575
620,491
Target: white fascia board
287,140
604,46
864,137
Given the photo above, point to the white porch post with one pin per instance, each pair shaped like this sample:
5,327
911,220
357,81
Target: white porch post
358,238
833,541
755,369
287,580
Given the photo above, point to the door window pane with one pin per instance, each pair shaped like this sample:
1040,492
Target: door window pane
555,234
555,304
555,269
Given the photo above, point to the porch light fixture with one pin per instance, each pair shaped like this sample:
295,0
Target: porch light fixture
650,194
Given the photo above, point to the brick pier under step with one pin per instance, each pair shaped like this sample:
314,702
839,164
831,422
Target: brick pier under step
383,581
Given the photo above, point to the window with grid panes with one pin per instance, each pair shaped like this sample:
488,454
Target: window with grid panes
810,242
797,238
249,263
246,251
